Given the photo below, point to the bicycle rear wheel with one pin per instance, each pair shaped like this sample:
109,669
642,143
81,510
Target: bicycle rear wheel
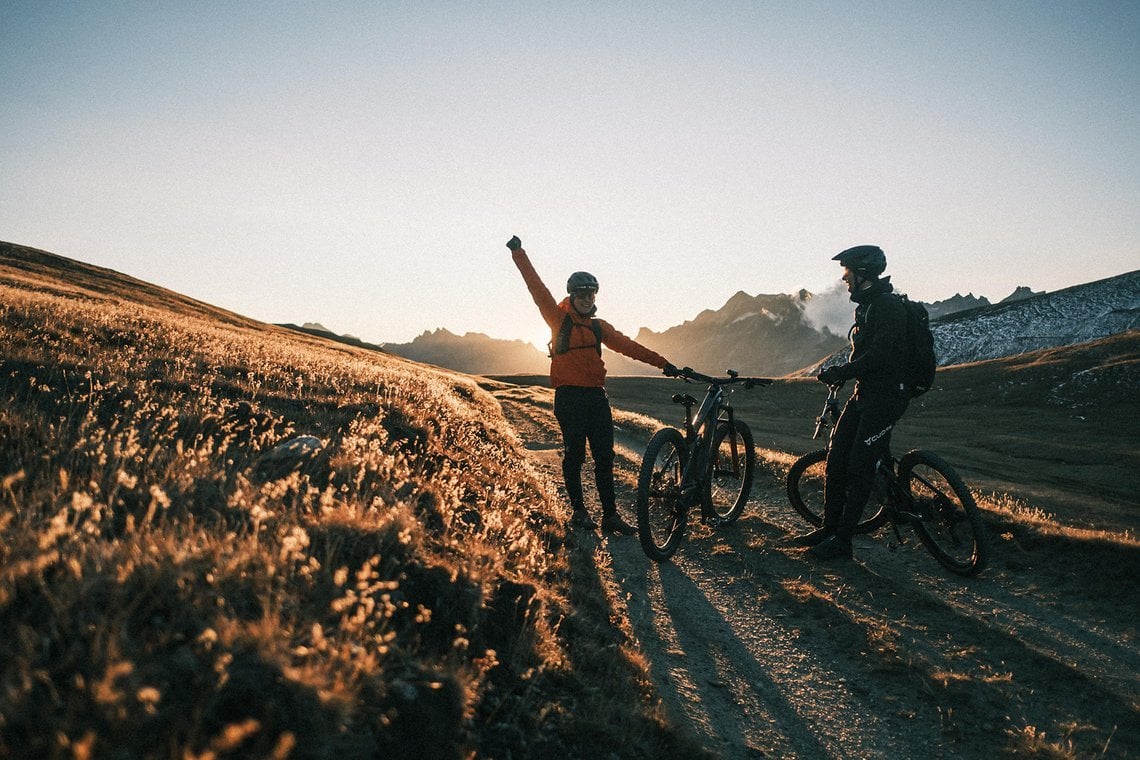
948,520
805,492
661,512
730,472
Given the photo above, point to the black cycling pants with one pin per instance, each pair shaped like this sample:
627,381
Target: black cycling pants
584,415
861,437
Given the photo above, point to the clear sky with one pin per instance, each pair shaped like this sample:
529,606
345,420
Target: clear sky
361,164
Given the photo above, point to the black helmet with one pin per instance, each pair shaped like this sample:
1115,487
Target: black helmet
582,281
866,260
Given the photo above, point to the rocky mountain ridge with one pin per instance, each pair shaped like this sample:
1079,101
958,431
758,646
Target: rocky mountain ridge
765,334
959,302
1046,320
473,353
782,334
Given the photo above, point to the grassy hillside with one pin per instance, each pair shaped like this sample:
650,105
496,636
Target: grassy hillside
171,587
174,584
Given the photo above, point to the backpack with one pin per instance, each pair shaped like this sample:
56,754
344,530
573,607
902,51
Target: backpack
921,362
561,344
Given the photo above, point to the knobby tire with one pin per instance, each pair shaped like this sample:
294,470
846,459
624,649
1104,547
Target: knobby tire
661,512
731,469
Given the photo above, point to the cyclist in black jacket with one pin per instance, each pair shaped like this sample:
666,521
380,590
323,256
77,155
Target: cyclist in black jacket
863,432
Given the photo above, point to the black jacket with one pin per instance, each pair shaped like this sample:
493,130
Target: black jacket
878,341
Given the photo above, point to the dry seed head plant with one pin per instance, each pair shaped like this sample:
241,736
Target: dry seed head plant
173,585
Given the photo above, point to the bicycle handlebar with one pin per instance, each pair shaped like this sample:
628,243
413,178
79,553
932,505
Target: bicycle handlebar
688,373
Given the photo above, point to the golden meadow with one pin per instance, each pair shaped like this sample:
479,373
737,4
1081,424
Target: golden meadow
169,588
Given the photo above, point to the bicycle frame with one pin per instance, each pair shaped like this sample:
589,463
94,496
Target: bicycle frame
830,414
918,489
698,441
711,461
700,427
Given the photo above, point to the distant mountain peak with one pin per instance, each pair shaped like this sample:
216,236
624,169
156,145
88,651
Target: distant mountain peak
781,334
739,298
439,332
1020,293
474,353
763,334
956,303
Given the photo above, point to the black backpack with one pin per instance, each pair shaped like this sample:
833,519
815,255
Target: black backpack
921,363
561,344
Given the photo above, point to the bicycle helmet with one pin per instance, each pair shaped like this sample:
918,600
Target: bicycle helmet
582,281
866,260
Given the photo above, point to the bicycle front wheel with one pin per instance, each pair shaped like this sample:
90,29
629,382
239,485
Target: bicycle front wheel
661,511
947,519
805,493
730,471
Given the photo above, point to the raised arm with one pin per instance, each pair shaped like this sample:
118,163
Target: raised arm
543,299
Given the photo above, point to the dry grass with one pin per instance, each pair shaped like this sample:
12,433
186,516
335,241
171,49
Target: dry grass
1006,508
169,589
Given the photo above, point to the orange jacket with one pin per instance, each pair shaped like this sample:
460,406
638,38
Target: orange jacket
579,366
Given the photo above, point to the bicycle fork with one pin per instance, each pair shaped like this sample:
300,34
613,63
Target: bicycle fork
735,459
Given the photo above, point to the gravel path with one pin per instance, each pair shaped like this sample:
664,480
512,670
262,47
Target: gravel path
761,652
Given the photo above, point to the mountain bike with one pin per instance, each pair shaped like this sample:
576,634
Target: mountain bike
920,490
711,462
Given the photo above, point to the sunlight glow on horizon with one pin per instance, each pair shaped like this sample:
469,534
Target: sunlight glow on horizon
361,165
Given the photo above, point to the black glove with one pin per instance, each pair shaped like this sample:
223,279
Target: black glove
831,376
671,371
514,243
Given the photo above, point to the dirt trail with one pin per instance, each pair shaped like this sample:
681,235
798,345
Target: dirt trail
762,652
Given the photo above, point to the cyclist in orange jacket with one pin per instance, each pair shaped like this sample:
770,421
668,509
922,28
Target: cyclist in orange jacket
578,375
